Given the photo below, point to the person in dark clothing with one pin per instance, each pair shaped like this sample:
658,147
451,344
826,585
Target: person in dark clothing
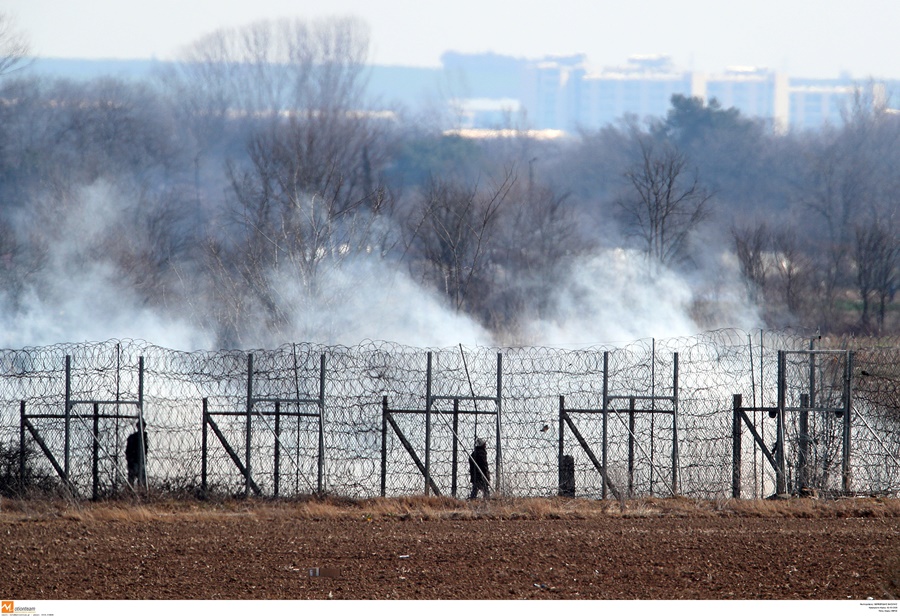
479,473
134,457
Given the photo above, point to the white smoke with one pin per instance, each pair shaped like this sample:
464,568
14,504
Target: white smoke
612,297
608,297
370,299
78,295
93,308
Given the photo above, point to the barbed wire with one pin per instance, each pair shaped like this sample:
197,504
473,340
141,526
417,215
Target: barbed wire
710,369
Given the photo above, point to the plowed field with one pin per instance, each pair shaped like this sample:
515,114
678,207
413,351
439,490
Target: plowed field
443,549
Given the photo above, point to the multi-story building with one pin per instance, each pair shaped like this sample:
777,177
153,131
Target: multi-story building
818,104
756,92
551,92
642,88
569,95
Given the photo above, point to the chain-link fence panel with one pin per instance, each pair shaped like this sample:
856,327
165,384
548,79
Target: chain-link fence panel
668,419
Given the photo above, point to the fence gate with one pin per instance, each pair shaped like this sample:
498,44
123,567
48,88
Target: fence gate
812,424
93,434
446,418
264,408
652,405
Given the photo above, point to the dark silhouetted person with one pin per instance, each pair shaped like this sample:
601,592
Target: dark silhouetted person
479,473
135,458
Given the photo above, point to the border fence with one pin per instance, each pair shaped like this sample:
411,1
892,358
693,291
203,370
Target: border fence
722,414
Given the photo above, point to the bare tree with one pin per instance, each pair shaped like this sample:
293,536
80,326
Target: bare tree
667,204
538,236
792,268
108,126
848,171
14,47
304,160
453,234
21,260
306,191
846,166
838,184
149,244
751,245
887,275
233,83
270,68
876,256
309,197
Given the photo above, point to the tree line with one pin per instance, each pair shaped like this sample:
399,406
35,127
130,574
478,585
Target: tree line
255,164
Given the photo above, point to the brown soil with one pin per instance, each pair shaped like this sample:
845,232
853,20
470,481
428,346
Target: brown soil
440,549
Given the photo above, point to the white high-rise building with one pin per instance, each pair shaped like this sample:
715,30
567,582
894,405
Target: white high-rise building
565,94
643,87
755,92
815,106
552,90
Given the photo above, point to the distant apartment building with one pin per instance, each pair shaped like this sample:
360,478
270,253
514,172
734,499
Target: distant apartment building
568,95
565,93
642,88
756,92
551,92
815,105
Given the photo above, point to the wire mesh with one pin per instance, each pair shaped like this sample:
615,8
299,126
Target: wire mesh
712,367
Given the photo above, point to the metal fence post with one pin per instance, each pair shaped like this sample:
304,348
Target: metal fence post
499,423
95,455
22,452
652,413
736,403
631,448
605,443
675,457
454,470
384,412
428,426
142,455
848,410
321,469
803,445
248,437
780,475
203,448
68,418
561,435
277,454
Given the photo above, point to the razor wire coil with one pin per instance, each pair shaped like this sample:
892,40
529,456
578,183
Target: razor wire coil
711,368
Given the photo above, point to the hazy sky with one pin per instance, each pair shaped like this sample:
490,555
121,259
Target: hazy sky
806,38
